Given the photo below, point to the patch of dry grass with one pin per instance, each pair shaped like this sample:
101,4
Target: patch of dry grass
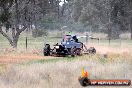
64,74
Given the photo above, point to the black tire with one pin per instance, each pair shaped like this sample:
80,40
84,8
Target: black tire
73,51
92,50
78,52
46,51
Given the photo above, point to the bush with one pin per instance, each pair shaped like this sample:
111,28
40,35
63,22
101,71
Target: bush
39,33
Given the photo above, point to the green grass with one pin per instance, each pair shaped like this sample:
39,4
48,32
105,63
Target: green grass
43,61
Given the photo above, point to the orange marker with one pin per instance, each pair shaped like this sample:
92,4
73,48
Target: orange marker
84,73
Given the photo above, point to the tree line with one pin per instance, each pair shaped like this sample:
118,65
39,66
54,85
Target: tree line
110,16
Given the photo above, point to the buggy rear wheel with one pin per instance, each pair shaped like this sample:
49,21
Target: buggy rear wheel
75,51
92,50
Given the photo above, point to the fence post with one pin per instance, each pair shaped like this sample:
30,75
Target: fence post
86,37
26,43
98,40
45,40
109,35
120,42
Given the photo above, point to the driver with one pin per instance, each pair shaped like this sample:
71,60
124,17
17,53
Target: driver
75,38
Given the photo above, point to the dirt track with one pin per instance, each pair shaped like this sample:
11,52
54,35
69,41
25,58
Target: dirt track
9,57
16,59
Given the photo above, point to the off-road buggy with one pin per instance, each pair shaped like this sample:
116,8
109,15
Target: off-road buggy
68,46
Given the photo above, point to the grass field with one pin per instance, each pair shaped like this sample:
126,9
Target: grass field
30,69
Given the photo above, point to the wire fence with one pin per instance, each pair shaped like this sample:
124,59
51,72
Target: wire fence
38,43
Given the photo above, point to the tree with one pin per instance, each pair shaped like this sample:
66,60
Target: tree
5,20
8,13
19,15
